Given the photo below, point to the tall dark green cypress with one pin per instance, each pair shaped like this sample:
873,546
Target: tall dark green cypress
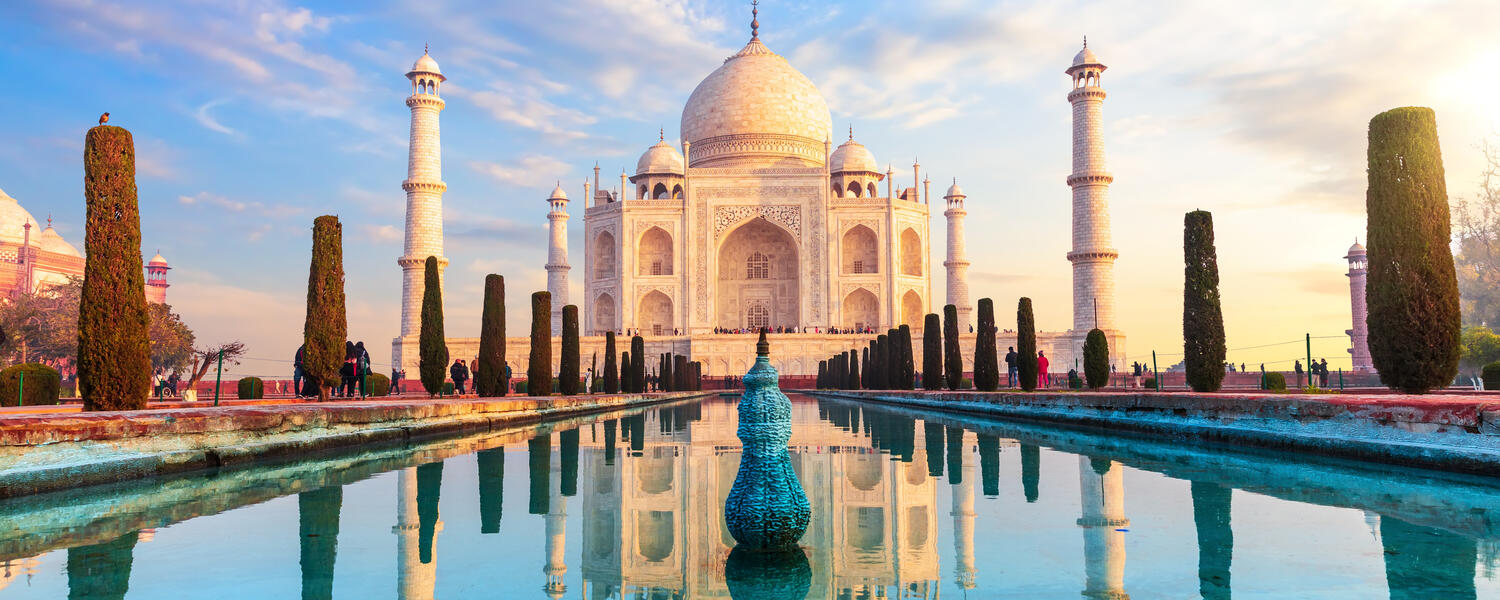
866,378
626,368
611,368
1413,298
908,361
682,374
953,365
1026,345
114,348
893,358
638,363
539,371
986,361
432,344
326,326
1096,359
822,380
1202,319
668,372
491,488
853,369
490,380
932,352
567,369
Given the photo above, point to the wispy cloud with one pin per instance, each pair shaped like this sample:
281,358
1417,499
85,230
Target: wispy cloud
274,211
528,171
207,120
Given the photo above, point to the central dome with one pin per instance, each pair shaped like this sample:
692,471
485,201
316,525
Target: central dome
756,110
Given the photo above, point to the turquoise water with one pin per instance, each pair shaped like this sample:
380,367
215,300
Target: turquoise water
629,505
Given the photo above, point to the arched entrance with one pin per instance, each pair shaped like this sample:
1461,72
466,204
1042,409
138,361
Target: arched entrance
757,282
911,309
654,314
859,251
861,309
654,253
604,313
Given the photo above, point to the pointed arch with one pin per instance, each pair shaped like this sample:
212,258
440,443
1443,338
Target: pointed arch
604,313
654,314
860,251
911,309
654,253
758,262
860,309
911,252
659,192
604,255
854,189
872,189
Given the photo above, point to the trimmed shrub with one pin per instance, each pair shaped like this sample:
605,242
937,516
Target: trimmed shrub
1413,290
327,326
1275,381
1202,318
986,361
522,387
378,384
932,352
114,346
1490,373
965,384
953,364
251,388
611,368
539,372
853,369
908,368
638,363
626,367
1149,383
893,358
432,342
822,381
1026,345
42,385
1096,359
567,367
489,380
866,378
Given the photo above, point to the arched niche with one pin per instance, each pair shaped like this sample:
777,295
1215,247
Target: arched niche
860,251
654,314
758,269
605,309
654,253
861,309
911,252
911,309
604,255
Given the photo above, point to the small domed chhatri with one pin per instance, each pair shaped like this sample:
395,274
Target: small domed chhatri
426,64
853,157
660,159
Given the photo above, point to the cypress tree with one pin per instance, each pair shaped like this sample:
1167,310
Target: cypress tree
668,370
1026,367
866,380
986,361
879,363
611,368
567,369
683,376
1096,360
490,381
893,358
432,343
638,356
567,457
1413,298
325,328
932,352
953,366
853,369
114,349
625,370
822,380
539,372
908,361
1202,319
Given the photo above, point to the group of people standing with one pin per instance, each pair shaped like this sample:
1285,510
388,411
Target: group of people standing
164,385
353,374
1317,372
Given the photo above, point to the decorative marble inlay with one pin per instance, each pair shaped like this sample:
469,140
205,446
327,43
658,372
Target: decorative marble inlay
789,216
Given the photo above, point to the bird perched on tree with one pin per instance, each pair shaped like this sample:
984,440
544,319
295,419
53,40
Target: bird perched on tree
104,118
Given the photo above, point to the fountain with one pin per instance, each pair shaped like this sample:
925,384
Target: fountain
766,509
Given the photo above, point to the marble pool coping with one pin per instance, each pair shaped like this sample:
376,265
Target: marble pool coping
1457,433
55,451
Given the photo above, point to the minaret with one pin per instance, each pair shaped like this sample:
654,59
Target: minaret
424,191
556,530
415,580
1359,336
1093,256
156,278
1102,486
557,253
963,526
958,260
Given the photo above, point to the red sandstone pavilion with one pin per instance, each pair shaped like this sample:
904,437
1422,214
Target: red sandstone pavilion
33,258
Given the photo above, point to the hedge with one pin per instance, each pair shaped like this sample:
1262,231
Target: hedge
42,385
1276,382
1096,359
377,384
251,388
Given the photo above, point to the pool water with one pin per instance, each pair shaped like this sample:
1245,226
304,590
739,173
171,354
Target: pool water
905,504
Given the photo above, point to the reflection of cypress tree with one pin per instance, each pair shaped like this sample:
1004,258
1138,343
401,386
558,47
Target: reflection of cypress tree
318,524
1100,465
854,420
906,432
1215,539
491,488
989,463
1423,562
934,437
568,457
101,570
1031,470
539,462
955,455
609,442
637,432
429,487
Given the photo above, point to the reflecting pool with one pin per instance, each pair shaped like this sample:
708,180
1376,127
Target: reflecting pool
905,504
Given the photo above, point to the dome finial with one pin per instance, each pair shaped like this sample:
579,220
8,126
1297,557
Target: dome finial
762,347
754,19
851,132
661,134
424,47
1085,41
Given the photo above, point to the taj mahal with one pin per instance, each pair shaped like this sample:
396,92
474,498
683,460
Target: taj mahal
759,220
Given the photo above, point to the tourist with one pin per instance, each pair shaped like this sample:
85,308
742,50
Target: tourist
588,381
1297,366
460,374
157,383
1010,367
362,368
1323,371
349,371
297,370
172,383
1041,369
396,376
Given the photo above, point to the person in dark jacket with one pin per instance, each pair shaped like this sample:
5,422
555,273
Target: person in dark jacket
361,368
460,374
349,372
297,370
1011,369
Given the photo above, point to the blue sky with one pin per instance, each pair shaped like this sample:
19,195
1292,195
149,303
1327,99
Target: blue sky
253,117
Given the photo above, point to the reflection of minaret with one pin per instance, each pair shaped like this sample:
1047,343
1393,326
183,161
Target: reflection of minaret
963,527
414,579
1102,484
557,527
1215,539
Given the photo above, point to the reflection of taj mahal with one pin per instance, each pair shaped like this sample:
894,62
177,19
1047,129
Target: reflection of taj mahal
758,220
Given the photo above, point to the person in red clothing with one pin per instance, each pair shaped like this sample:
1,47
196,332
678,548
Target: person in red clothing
1041,369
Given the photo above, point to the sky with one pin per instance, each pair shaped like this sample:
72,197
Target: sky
252,117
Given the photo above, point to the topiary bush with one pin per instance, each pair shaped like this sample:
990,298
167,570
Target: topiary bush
378,385
986,360
1275,382
1026,345
1096,359
1413,296
1490,373
953,366
539,371
489,378
932,352
251,388
1149,383
42,385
